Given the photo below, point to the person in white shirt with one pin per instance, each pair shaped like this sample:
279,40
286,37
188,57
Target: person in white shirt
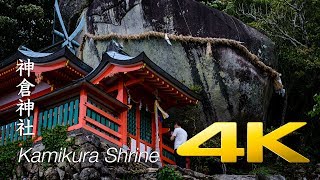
179,136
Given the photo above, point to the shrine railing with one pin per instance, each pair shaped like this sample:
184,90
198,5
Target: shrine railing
101,122
9,133
91,112
167,151
65,113
168,155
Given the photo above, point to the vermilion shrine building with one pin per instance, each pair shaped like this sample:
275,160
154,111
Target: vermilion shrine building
117,100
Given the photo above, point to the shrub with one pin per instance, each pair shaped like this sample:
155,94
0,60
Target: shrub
56,138
168,173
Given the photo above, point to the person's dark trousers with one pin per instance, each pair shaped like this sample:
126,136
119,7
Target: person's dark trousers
180,160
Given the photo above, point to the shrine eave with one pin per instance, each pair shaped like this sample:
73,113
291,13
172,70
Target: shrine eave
143,58
45,58
73,88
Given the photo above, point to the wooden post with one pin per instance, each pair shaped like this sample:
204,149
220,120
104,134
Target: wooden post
138,127
188,163
82,107
160,143
153,131
35,122
122,97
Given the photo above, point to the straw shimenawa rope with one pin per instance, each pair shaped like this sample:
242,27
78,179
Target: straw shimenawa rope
252,58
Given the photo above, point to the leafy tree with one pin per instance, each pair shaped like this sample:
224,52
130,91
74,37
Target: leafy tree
294,26
316,108
9,158
223,5
26,23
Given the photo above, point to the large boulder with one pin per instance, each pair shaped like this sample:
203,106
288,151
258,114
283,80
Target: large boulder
232,87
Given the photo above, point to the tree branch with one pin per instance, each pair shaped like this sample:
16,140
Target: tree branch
275,21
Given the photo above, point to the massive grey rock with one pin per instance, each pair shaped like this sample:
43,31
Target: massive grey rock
232,88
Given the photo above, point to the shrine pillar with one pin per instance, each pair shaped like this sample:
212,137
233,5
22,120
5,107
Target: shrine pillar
35,122
82,107
123,97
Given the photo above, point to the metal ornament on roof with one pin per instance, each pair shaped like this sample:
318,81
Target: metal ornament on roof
68,40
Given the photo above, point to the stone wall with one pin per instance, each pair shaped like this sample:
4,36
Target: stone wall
85,142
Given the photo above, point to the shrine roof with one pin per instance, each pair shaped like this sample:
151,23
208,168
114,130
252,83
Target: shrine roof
33,54
112,57
75,86
118,56
42,58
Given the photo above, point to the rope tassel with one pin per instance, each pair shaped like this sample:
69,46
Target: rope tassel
209,50
167,39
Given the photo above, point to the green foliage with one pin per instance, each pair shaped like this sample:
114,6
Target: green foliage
196,88
262,170
8,157
295,33
188,116
223,5
294,27
300,68
208,165
25,23
316,108
30,11
7,23
56,138
168,173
